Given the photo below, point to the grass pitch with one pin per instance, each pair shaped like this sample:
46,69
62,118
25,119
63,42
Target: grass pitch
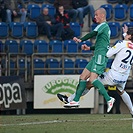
70,123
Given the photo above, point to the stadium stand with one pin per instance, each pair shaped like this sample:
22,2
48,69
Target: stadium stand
76,28
11,46
41,46
129,24
38,67
53,64
22,65
34,11
26,47
115,29
70,46
120,12
131,12
57,46
109,10
69,66
4,30
80,64
31,29
16,29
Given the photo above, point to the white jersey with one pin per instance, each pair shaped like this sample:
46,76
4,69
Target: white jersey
124,56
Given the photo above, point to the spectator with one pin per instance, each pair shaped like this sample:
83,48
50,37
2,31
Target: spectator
63,17
3,10
67,4
47,24
83,9
14,8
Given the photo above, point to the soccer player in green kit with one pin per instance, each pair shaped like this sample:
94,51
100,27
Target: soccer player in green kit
98,62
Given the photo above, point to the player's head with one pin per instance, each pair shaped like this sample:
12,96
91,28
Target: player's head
100,15
129,35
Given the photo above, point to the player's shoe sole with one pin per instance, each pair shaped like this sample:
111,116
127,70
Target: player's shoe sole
62,98
110,104
72,104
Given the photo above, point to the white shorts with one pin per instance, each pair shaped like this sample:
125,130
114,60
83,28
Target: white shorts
114,78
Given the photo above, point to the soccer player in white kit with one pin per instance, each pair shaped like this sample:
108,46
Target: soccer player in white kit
119,72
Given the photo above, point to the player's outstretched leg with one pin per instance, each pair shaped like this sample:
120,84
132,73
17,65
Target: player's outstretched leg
102,90
80,88
126,98
66,99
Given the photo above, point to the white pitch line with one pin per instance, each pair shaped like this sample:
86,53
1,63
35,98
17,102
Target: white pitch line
62,121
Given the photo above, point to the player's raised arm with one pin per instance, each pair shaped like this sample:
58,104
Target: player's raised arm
115,49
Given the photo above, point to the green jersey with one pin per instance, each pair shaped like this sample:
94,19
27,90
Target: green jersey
102,33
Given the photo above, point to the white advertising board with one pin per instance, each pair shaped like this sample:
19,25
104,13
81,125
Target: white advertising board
46,88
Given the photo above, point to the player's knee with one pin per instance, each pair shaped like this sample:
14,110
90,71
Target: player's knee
89,85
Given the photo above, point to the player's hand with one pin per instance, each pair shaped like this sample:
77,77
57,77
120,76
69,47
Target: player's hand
125,28
85,47
76,39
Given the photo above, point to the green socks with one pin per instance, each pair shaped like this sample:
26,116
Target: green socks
101,89
80,88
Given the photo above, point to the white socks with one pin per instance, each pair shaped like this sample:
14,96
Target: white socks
127,101
73,95
71,98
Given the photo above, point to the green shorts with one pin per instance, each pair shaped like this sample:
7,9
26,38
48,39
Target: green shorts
97,64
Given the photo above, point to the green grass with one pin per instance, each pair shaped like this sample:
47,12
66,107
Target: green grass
71,123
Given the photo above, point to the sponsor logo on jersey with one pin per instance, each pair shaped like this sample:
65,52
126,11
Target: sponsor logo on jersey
119,82
130,45
126,67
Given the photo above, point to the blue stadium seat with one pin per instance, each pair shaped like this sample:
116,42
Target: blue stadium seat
51,8
109,63
2,47
4,30
41,46
69,64
22,66
34,11
57,46
70,46
112,1
129,24
120,12
76,28
38,1
52,64
80,63
39,63
16,29
93,26
109,10
88,43
31,29
26,46
115,29
13,67
131,12
11,46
